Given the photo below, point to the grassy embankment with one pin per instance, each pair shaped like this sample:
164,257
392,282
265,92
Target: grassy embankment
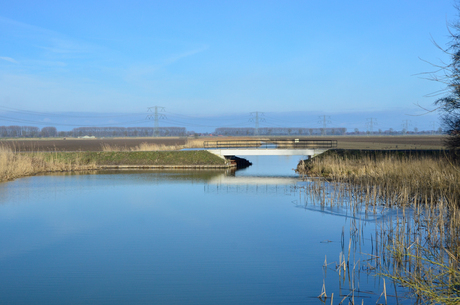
138,158
420,248
15,165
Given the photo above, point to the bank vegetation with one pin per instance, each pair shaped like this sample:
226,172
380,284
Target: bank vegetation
418,247
21,164
15,165
401,177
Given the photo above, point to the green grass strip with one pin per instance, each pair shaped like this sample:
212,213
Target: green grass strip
138,158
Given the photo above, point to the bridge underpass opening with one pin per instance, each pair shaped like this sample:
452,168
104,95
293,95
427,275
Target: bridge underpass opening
292,147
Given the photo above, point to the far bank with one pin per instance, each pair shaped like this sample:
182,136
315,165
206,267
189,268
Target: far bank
15,165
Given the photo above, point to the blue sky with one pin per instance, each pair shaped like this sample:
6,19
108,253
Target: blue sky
217,58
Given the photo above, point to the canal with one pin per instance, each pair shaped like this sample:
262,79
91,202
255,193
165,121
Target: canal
178,237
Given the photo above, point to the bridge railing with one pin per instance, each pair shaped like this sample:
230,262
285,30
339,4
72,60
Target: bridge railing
274,144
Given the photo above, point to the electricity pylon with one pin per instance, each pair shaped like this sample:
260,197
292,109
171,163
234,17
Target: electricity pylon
371,122
256,120
156,116
406,124
433,127
324,119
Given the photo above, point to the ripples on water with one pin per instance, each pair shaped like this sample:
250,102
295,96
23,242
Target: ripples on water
174,237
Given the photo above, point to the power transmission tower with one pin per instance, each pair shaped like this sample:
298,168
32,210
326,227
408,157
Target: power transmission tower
433,127
406,124
256,120
371,122
324,119
156,116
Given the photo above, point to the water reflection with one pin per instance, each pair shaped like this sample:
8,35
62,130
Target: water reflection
185,237
252,180
271,166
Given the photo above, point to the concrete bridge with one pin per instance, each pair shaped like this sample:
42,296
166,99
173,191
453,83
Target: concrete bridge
292,147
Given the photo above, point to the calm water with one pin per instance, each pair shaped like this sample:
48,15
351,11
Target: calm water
172,237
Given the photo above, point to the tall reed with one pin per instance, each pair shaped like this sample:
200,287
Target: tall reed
407,179
15,165
419,247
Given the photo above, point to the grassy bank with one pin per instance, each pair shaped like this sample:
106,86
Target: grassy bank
15,165
141,158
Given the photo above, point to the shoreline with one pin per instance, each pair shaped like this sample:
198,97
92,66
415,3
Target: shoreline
378,142
365,155
423,247
18,165
167,166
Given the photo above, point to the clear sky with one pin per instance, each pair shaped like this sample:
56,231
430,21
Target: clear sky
220,57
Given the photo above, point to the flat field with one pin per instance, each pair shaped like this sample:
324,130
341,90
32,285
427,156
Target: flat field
386,142
421,142
344,142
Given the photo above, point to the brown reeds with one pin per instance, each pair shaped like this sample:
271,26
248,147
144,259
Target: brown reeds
417,243
400,180
15,165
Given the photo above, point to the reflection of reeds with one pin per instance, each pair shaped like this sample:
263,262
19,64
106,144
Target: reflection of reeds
14,165
419,247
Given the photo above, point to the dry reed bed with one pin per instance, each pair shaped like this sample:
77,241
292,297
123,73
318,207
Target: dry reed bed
415,246
401,180
419,247
15,165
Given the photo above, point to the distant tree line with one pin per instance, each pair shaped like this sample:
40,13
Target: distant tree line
46,132
27,132
392,132
129,131
280,131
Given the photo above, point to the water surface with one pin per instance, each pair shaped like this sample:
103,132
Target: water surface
169,237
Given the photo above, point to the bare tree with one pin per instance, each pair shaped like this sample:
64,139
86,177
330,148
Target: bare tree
449,74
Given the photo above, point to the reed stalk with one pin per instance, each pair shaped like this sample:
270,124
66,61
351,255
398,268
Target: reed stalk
406,180
15,165
419,248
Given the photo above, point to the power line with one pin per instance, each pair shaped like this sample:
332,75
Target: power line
15,120
270,124
201,125
184,116
29,112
